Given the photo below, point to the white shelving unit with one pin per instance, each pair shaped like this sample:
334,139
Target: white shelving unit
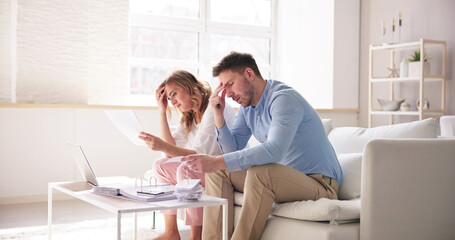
421,45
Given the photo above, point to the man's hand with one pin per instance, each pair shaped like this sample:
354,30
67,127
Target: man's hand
153,142
218,103
204,163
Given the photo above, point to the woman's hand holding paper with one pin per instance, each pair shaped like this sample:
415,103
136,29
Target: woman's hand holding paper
153,142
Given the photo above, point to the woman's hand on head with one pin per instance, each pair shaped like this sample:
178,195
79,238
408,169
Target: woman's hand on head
153,142
161,99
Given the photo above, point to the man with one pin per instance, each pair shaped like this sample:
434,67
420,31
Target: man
295,160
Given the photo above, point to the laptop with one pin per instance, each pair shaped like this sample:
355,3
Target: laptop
121,185
88,175
82,163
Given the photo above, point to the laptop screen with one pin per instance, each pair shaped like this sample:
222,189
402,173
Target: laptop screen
82,163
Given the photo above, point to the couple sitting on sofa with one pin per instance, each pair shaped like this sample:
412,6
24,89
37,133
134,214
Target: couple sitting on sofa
295,160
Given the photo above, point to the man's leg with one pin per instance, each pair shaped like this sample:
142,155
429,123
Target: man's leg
270,183
221,184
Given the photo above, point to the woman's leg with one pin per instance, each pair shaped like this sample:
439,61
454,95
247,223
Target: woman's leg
196,233
193,215
167,173
171,231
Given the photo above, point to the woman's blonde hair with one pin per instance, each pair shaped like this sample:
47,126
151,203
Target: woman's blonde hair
199,93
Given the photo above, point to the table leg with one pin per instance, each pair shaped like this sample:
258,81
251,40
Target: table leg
225,221
49,212
135,226
119,225
153,220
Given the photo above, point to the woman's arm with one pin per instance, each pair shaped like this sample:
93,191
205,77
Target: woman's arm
157,144
174,151
165,132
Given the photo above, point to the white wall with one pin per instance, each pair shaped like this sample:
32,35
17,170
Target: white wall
318,50
346,54
305,49
430,19
33,150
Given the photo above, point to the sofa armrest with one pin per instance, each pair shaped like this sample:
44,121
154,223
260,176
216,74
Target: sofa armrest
408,189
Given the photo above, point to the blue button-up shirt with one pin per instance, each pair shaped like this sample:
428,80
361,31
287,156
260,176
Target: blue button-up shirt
289,129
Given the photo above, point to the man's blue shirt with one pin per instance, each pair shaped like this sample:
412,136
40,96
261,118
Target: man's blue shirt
289,129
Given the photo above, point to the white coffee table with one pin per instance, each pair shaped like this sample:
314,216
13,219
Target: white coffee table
119,206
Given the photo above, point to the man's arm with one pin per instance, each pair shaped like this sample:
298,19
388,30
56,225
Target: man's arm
287,113
218,103
237,137
227,140
204,163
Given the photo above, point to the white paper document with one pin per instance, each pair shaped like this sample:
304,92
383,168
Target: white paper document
127,122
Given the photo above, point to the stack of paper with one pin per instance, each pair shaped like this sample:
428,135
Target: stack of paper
189,190
144,194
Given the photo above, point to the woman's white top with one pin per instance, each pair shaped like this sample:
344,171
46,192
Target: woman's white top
202,138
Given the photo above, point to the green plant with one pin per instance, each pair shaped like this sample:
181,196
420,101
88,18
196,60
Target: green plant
415,57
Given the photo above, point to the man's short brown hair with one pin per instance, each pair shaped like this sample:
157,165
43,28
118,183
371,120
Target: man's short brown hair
236,62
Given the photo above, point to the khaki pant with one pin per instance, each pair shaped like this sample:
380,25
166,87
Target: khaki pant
262,186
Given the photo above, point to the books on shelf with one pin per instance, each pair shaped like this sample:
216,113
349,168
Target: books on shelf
145,194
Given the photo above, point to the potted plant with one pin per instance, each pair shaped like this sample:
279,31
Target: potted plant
414,64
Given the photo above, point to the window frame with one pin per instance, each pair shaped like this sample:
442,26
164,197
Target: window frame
204,27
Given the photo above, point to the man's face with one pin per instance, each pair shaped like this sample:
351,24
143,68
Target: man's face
237,87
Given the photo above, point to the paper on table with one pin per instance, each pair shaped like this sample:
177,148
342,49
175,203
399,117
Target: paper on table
127,122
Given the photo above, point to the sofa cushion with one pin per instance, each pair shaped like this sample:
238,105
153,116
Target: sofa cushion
335,211
286,228
351,164
328,125
354,139
238,198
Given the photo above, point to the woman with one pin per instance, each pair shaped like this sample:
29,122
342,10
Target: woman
195,134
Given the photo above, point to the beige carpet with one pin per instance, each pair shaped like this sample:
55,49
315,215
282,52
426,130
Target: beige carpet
92,229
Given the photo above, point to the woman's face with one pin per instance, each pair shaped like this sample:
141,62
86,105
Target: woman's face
179,97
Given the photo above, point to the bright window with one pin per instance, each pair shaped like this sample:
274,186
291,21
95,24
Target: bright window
194,35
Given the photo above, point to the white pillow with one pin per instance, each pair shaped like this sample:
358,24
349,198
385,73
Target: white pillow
335,211
351,164
328,125
354,139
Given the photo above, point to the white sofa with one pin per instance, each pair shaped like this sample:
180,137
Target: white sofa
404,175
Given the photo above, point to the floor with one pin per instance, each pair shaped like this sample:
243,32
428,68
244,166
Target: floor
35,214
67,211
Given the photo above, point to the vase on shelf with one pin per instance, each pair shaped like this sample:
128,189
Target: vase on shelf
414,68
426,104
403,68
